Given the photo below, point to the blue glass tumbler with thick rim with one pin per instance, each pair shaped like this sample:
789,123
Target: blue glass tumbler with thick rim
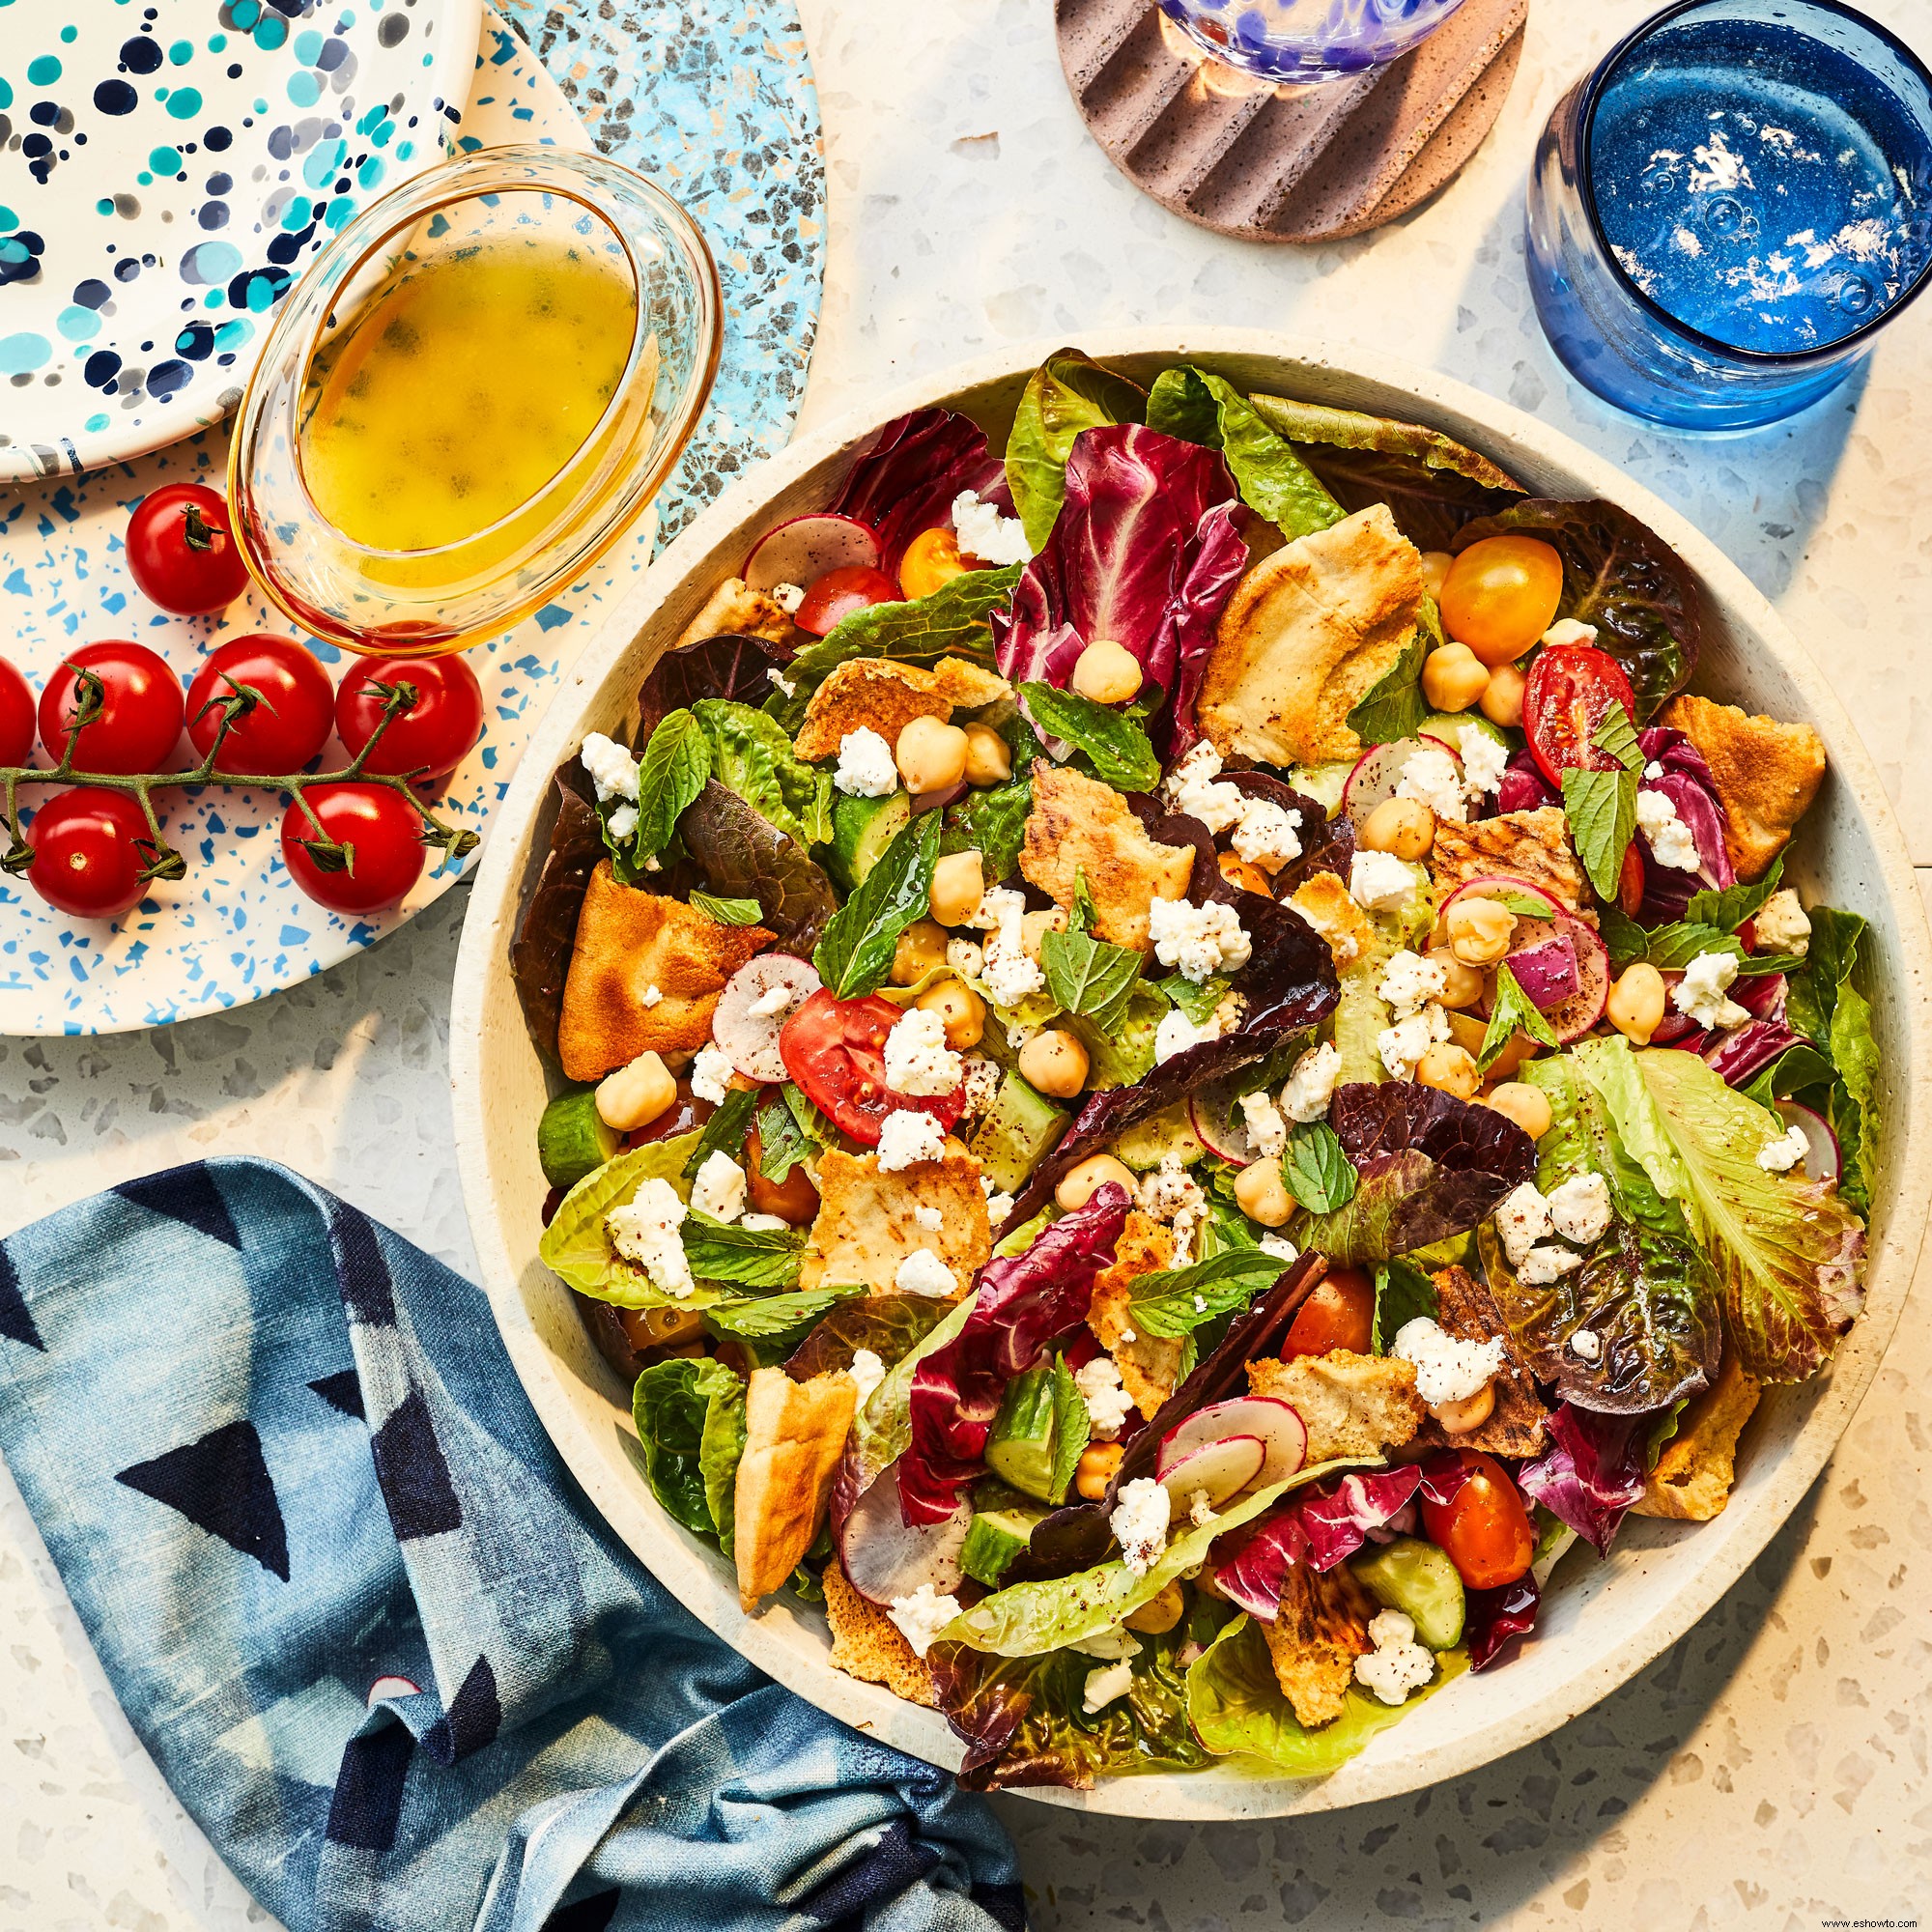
1615,339
1307,40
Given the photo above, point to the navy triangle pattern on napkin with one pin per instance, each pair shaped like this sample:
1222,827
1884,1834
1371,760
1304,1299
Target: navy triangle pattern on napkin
374,1636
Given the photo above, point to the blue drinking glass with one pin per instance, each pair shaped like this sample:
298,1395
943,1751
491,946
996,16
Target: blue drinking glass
1726,212
1307,39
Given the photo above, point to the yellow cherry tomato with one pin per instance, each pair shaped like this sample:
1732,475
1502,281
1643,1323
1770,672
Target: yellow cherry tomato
1501,595
930,560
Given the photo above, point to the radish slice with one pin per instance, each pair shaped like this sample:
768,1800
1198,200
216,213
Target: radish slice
1274,1423
1379,771
1219,1470
1572,1017
807,548
1822,1158
1547,972
1501,885
1219,1121
749,1038
885,1560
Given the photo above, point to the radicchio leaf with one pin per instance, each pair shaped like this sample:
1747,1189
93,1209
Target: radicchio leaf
1592,1471
744,855
1686,781
540,953
1328,844
1494,1617
1524,788
906,481
730,667
1255,1574
1022,1305
1740,1055
1320,1529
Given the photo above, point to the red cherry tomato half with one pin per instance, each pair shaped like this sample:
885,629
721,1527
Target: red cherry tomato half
88,854
1568,693
836,1050
381,840
16,717
835,596
1630,883
290,724
139,722
1483,1528
181,552
1339,1313
434,735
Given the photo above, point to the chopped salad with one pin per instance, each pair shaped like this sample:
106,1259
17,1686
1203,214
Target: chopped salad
1184,1054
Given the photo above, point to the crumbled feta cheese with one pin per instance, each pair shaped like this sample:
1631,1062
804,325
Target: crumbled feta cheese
1447,1369
1139,1523
711,1074
1267,835
1409,981
1280,1247
783,682
928,1218
1700,994
1669,838
1104,1686
922,1272
622,822
1311,1085
865,765
966,957
918,1059
1398,1664
1484,759
1433,776
1108,1404
1568,630
869,1372
1523,1219
922,1615
1176,1033
1786,1152
998,1208
1782,925
612,769
1379,881
1266,1126
1191,788
788,597
909,1136
1011,975
645,1231
651,995
1200,940
1543,1265
1579,1211
719,1189
1166,1190
774,1001
1654,770
1401,1045
1586,1344
1200,1509
762,1224
983,532
982,1084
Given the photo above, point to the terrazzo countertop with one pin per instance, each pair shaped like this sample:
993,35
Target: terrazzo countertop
1771,1769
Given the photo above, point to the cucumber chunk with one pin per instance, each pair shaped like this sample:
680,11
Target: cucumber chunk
994,1541
571,1138
1020,1450
862,828
1418,1580
1171,1131
1020,1129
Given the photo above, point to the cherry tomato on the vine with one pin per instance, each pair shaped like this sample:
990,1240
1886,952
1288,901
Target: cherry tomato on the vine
932,559
1568,693
282,732
17,716
1484,1527
372,839
88,855
1501,595
181,552
139,722
836,1050
434,735
1339,1313
835,596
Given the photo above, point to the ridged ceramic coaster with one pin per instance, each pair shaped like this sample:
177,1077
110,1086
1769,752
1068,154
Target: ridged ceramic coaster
1284,163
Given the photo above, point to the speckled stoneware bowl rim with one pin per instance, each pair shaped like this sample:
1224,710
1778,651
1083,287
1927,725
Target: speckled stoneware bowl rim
1603,1622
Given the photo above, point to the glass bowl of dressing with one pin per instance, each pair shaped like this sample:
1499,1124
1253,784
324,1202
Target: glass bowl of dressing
475,390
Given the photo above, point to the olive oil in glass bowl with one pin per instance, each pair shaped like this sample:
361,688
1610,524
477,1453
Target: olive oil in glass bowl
476,390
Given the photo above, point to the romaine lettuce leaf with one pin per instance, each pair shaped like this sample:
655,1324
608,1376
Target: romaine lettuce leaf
889,1325
1068,394
576,1246
720,1447
752,754
1827,1010
672,1404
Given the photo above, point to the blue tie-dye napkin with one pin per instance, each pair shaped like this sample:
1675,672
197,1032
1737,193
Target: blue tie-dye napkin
371,1631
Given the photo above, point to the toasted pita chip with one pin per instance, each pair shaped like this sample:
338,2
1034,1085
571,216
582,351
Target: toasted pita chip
1351,1404
879,695
1149,1366
794,1436
1323,901
1518,1424
1767,774
1306,636
627,942
1078,826
1322,1628
868,1222
1533,845
866,1644
732,610
1693,1475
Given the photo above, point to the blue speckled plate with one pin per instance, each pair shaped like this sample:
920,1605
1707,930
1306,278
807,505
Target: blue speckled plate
171,169
735,134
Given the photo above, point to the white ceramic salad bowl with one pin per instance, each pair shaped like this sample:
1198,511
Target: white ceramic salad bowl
1607,1619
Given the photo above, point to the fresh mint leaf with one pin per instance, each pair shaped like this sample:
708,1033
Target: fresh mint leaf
991,823
855,955
812,1123
1602,809
1728,909
783,1318
1514,1010
1172,1302
1671,948
1088,975
1316,1168
671,773
751,1256
1086,915
752,756
1526,907
1395,706
1116,744
725,912
781,1142
1403,1293
1197,1001
724,1131
1617,735
1073,1430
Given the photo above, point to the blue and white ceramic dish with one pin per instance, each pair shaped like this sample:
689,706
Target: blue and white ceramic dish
169,171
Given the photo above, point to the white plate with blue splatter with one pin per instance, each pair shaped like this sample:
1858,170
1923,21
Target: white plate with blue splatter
170,170
736,135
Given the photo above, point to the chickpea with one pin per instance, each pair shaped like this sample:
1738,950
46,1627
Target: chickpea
1636,1003
1237,871
1107,672
1450,1070
988,760
635,1095
1463,986
1480,931
1035,926
1262,1195
921,949
1079,1184
1465,1417
1502,700
960,1010
1096,1470
930,756
1160,1612
1055,1063
1436,564
1454,677
1403,826
1523,1104
958,885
